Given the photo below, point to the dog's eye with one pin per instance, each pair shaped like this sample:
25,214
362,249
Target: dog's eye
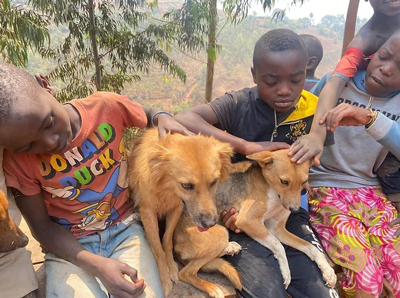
213,183
285,182
305,182
187,186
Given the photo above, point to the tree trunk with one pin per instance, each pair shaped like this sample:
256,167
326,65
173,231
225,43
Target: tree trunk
92,33
211,49
350,26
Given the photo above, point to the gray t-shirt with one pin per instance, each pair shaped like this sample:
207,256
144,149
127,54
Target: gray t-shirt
352,161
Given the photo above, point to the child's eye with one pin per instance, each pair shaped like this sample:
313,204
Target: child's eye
382,57
296,82
27,147
270,84
51,123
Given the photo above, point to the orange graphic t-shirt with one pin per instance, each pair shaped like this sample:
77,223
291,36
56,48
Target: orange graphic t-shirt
85,188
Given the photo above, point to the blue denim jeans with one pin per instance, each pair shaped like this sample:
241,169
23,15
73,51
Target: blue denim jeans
125,242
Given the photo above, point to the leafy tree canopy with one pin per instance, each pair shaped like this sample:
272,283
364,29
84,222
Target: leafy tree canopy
21,29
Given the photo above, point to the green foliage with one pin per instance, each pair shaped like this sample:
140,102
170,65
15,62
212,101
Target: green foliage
131,134
108,44
21,29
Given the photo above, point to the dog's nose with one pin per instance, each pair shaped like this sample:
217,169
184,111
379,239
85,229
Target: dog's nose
23,241
207,220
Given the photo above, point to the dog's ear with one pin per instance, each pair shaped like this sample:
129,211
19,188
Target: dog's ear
225,152
263,158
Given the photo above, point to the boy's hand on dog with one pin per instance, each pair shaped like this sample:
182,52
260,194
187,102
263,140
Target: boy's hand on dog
229,220
254,147
167,124
305,148
111,273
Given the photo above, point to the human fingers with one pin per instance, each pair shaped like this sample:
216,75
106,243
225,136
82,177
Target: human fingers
296,146
162,132
226,215
139,286
317,159
184,131
323,119
302,155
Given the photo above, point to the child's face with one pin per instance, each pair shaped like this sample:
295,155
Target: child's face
387,7
383,73
39,125
280,78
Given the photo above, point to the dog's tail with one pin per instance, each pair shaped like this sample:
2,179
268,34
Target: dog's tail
226,269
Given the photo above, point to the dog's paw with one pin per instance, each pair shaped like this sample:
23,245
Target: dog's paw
233,248
287,278
167,284
328,273
173,271
214,291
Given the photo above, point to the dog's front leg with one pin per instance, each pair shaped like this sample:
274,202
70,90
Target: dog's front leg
171,222
150,224
310,250
250,221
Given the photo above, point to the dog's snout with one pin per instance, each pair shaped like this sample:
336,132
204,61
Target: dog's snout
207,220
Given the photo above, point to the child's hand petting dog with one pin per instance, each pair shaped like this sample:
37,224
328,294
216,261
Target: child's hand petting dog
229,220
254,147
167,124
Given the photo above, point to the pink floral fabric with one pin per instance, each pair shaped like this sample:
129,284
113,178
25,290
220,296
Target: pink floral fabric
353,225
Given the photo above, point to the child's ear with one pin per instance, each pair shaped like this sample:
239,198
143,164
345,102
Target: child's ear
253,73
44,83
312,62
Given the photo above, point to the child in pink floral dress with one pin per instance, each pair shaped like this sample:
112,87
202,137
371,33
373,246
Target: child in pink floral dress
349,211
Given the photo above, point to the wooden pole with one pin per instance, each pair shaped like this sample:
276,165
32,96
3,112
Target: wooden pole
350,26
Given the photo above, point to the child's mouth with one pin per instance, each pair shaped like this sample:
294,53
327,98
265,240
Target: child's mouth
376,80
392,3
284,104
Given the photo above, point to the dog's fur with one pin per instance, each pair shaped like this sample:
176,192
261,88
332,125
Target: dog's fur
264,195
165,174
11,237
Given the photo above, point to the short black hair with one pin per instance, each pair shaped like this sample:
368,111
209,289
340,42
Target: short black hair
313,46
15,84
277,40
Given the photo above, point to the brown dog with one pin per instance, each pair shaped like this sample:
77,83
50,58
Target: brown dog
11,237
264,195
165,174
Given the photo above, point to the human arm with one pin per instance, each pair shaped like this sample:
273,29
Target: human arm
62,243
201,119
310,146
381,128
164,121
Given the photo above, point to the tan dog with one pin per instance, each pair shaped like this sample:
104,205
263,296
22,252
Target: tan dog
264,195
11,237
164,174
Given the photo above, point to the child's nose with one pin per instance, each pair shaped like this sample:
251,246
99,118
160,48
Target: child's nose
51,142
284,89
386,69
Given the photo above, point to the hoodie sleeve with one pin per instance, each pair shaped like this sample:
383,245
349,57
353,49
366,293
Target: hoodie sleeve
387,133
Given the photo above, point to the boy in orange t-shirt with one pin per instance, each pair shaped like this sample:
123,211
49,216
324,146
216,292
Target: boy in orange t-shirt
66,165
